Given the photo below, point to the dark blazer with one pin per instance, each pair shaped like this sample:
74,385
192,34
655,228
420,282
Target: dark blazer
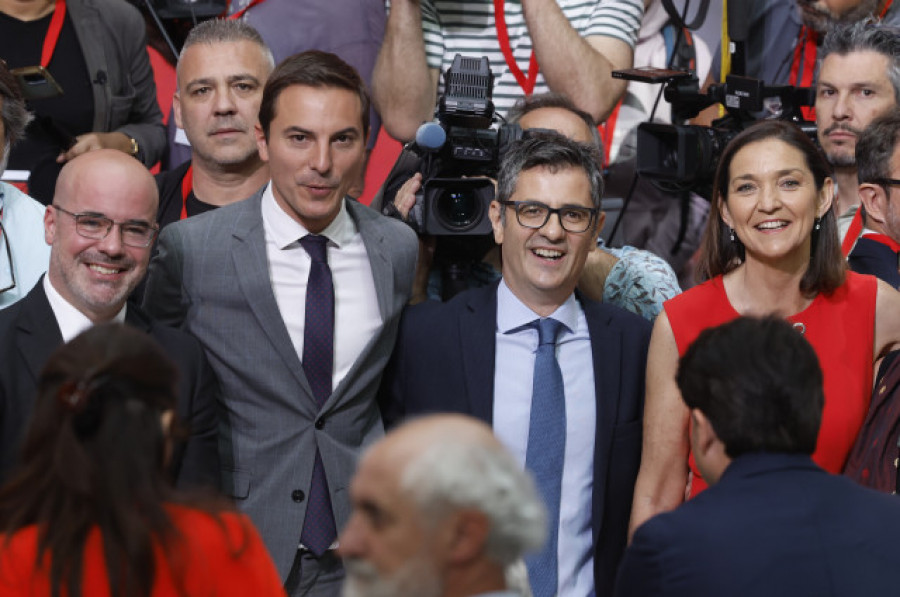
28,336
444,362
872,257
775,525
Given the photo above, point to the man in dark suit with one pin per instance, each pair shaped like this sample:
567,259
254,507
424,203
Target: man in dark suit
100,228
296,295
878,171
773,523
476,354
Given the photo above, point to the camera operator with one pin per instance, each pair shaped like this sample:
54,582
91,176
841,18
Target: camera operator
635,280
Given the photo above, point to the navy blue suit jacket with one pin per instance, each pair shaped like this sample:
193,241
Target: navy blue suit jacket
872,257
444,362
775,525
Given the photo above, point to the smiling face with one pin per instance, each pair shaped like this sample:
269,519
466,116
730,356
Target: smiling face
96,276
315,150
772,203
853,90
541,267
217,103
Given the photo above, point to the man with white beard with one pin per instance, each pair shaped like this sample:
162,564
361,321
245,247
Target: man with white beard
440,509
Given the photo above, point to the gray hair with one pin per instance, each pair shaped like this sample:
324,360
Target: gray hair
553,151
13,112
451,476
219,31
865,36
875,148
529,103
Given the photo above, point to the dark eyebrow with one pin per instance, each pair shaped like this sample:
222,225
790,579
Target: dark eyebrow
350,130
243,77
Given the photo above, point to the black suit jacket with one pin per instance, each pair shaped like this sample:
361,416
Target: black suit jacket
29,334
775,525
872,257
444,362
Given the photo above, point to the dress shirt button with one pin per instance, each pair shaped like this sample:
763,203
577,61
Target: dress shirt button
320,423
297,495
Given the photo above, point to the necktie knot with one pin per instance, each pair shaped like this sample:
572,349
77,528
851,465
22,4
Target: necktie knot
548,330
315,245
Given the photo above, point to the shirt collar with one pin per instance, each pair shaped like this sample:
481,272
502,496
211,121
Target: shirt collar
513,314
71,321
285,231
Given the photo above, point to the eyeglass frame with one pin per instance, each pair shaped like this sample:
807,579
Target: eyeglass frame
109,227
12,270
887,182
594,211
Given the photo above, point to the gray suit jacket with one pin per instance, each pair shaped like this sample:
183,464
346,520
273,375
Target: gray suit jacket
211,277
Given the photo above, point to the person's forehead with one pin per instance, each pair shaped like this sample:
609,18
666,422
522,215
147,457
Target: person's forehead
860,65
561,120
319,107
542,182
222,57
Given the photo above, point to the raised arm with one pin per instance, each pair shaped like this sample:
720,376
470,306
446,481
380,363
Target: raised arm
580,67
662,478
404,88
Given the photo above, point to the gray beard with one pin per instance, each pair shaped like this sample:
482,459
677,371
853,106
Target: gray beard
416,578
821,22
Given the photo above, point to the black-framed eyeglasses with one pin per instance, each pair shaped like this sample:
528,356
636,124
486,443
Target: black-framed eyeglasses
534,214
12,272
94,226
887,182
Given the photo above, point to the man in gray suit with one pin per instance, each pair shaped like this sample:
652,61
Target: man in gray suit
295,293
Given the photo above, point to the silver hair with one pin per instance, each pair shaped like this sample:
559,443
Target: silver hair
217,31
451,476
865,36
529,103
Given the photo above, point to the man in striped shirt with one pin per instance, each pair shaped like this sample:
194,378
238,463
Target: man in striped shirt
566,46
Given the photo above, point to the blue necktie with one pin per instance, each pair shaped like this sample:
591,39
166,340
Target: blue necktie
319,529
546,450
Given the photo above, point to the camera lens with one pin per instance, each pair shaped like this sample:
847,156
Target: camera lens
459,209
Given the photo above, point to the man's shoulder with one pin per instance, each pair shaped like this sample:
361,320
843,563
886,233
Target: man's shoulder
614,316
437,312
113,12
368,218
220,221
173,340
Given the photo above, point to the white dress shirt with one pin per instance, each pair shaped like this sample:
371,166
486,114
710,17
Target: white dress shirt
71,321
513,379
356,316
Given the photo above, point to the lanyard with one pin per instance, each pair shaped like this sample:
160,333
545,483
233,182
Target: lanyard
525,82
805,53
56,23
853,232
607,130
187,186
885,240
241,12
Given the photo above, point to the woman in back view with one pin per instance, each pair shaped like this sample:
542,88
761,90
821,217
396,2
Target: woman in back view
89,512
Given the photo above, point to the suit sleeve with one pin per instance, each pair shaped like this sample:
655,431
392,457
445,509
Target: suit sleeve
640,573
199,465
164,297
390,394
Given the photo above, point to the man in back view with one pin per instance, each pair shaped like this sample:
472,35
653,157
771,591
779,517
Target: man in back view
773,523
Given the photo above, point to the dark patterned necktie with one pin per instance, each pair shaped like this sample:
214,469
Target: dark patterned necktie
546,451
319,529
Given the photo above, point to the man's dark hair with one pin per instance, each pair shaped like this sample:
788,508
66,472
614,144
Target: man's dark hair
15,116
865,36
875,149
758,382
536,101
547,149
312,69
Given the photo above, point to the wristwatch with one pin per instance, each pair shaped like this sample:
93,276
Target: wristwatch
135,148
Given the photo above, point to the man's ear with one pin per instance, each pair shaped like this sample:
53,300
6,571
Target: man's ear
49,225
176,109
466,535
703,436
261,143
875,201
496,223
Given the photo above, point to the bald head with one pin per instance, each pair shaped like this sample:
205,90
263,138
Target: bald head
101,228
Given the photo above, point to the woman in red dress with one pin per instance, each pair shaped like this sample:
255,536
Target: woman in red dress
89,512
770,247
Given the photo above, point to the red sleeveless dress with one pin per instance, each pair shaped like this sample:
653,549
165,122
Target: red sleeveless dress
841,329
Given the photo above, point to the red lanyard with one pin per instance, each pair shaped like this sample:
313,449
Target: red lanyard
525,82
607,130
853,232
56,23
241,12
805,52
885,240
187,186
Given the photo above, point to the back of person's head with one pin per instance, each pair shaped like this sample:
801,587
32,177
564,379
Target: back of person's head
875,150
553,151
537,101
450,476
759,384
317,69
865,36
12,107
222,31
94,456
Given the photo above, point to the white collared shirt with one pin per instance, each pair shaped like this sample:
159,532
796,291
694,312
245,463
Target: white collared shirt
356,313
513,381
71,321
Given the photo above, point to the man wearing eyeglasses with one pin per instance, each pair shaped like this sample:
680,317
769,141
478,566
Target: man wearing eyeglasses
560,378
100,229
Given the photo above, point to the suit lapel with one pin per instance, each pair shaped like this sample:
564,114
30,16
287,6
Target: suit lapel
379,256
38,332
478,347
248,254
